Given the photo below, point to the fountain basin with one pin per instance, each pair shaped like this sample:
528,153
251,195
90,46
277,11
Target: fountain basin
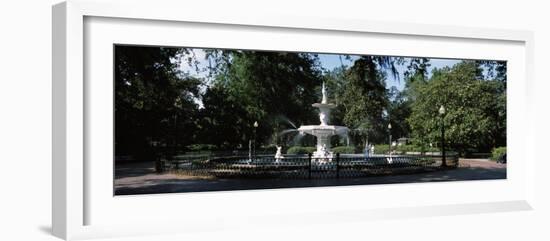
322,130
323,134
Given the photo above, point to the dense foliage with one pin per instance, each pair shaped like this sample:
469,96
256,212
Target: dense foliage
497,153
475,109
153,101
404,149
262,87
344,149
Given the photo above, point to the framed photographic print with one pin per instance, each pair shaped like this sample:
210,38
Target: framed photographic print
182,116
191,119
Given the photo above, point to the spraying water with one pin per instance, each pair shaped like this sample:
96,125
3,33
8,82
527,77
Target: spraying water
298,138
287,121
288,131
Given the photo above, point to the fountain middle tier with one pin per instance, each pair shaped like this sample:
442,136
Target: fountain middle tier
323,134
323,131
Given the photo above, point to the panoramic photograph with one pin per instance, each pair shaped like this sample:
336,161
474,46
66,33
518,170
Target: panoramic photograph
191,119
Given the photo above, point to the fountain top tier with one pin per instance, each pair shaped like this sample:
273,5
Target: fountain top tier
324,131
324,99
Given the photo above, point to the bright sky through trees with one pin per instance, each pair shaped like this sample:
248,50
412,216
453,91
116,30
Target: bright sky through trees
331,61
327,61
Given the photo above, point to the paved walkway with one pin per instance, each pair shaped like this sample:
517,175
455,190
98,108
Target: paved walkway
140,178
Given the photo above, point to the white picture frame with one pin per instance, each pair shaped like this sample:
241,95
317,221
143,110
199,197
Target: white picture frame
73,191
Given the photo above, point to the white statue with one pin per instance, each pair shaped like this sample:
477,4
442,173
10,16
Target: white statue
372,149
279,154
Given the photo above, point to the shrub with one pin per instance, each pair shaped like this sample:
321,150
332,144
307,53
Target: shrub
496,153
301,150
414,148
381,149
403,149
201,147
344,149
267,149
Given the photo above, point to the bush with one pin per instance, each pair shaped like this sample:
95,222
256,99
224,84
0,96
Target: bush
403,149
414,148
267,149
381,149
201,147
496,153
344,149
301,150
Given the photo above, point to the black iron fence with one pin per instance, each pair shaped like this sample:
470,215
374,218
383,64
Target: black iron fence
302,166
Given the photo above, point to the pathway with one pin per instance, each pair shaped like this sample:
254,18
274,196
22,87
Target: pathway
140,178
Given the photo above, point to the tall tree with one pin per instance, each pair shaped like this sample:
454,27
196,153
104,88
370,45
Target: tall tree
365,97
153,101
221,120
417,69
399,110
268,85
475,113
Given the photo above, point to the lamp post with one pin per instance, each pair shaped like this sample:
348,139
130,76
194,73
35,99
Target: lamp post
254,147
177,106
389,131
442,114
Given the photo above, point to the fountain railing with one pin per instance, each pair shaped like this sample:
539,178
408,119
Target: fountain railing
302,166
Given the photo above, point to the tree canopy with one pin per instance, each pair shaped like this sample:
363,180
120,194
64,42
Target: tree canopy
150,95
262,87
475,115
158,105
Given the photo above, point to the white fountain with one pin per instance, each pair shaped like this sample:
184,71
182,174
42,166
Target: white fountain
324,131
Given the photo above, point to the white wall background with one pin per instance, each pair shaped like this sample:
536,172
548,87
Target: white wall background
25,120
